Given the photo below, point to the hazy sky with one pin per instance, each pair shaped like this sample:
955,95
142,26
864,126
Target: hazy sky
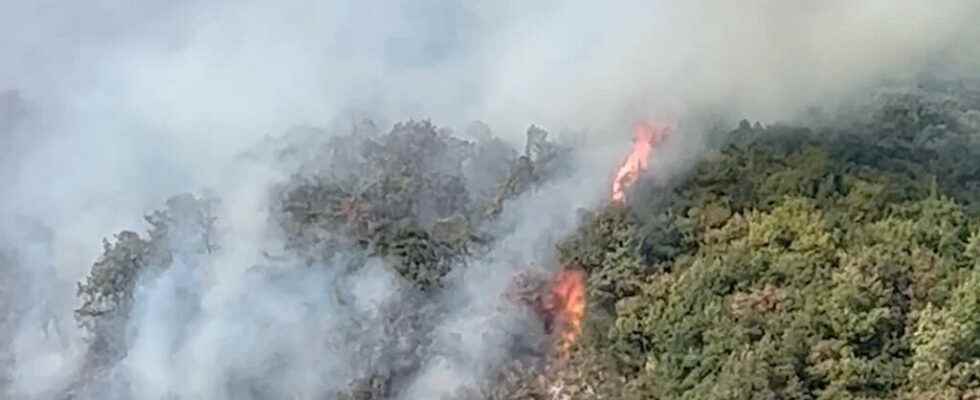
108,107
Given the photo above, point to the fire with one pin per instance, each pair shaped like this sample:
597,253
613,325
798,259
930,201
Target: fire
564,307
559,301
645,137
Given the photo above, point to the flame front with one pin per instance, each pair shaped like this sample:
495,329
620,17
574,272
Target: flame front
566,304
645,137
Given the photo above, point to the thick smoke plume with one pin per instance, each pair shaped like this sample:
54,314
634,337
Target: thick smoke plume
108,109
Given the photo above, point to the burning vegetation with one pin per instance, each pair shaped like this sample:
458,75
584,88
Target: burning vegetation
564,307
559,302
835,261
646,136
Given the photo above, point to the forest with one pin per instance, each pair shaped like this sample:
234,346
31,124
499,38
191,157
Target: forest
834,257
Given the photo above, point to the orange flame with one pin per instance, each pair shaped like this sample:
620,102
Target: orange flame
565,307
559,302
645,137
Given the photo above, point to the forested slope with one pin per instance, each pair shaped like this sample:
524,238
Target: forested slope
839,261
838,257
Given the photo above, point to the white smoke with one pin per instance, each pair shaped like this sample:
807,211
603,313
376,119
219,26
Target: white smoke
118,106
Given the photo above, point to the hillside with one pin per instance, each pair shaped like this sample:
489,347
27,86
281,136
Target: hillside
839,261
839,258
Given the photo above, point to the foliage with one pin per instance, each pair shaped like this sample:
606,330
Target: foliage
414,200
107,292
834,262
417,196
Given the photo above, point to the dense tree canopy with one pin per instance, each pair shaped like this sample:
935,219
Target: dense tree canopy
835,260
832,262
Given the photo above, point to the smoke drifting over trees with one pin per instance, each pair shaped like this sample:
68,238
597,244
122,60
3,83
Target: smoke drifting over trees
323,218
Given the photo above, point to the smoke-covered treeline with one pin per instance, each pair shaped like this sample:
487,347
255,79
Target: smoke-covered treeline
245,199
383,270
